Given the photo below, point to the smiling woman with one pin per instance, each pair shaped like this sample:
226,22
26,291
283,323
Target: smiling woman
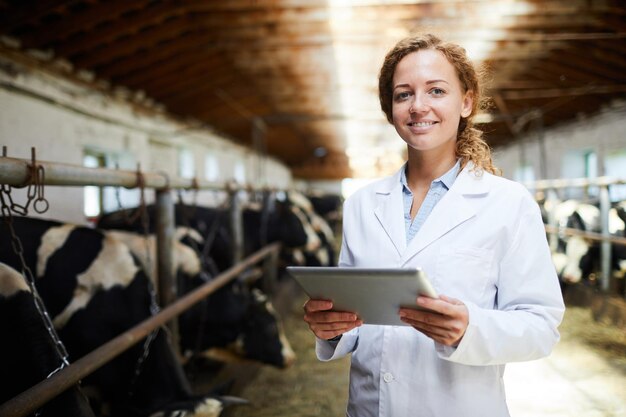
444,212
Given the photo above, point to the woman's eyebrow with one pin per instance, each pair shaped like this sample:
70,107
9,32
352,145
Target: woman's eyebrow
400,85
427,82
436,81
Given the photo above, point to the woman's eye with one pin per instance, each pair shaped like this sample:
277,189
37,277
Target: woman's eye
402,95
437,91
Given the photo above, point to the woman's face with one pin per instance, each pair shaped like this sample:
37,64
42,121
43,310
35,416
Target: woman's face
428,101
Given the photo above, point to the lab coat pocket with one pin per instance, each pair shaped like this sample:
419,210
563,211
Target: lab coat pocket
464,272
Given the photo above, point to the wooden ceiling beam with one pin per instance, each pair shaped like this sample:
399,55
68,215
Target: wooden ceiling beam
105,14
30,12
572,62
551,6
191,83
591,89
129,66
124,28
109,54
171,75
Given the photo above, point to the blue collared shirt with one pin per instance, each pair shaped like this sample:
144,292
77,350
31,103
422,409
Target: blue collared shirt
438,188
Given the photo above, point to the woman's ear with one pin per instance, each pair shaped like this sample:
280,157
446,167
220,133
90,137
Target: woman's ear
468,102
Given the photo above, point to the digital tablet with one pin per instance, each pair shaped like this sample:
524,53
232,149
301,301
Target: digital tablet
374,294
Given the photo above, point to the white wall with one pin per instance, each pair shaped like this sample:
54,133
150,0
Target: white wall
62,119
603,134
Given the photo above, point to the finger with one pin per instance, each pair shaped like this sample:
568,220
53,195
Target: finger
329,334
330,317
317,305
432,304
438,334
336,325
425,322
440,305
451,300
425,317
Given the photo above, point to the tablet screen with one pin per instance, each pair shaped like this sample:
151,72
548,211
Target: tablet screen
374,294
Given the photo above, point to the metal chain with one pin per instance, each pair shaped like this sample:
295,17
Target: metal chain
204,253
34,190
8,208
118,197
142,213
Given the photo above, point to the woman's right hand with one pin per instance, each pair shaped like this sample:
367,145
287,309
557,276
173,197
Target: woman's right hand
327,324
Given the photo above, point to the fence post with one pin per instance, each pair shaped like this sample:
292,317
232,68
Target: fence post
167,288
236,225
270,272
605,248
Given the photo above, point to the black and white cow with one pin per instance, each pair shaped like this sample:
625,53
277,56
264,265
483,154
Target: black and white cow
94,290
329,206
581,258
325,254
277,221
234,318
27,350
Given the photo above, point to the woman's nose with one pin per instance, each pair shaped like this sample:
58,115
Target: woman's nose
418,105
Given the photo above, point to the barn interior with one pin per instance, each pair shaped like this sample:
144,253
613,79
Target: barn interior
297,79
283,94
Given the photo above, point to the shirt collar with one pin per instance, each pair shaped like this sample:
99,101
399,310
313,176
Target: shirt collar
446,179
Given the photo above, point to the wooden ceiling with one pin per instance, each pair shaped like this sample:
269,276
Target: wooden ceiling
298,78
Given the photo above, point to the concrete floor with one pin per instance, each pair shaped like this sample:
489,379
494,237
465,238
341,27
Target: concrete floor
574,381
579,379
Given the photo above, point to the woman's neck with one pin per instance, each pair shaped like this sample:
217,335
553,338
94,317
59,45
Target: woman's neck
423,168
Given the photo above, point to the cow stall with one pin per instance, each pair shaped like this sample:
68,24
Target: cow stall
36,174
588,242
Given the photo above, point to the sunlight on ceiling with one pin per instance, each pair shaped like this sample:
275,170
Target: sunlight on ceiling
372,145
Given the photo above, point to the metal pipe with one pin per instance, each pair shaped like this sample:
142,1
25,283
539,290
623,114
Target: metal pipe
574,182
33,398
599,237
15,172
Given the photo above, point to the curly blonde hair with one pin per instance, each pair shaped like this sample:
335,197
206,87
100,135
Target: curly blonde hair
470,145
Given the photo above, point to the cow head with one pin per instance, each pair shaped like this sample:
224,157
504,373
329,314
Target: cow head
263,338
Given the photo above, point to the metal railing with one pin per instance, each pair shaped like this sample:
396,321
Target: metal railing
49,388
17,173
605,238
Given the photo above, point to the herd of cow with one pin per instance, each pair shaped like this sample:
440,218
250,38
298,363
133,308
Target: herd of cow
578,259
96,284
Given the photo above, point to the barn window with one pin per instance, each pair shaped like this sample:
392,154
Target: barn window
240,172
93,195
591,171
524,173
186,163
98,200
211,168
615,166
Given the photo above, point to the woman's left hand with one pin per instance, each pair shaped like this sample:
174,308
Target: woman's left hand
445,322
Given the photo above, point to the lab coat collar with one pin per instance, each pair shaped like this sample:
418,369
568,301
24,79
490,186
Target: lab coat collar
453,209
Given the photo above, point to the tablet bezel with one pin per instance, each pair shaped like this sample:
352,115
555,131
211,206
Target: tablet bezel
374,294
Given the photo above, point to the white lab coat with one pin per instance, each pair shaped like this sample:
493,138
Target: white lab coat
484,243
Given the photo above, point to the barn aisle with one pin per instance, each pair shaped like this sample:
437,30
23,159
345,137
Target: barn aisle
585,376
309,388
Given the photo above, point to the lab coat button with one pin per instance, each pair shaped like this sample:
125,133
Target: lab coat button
387,377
